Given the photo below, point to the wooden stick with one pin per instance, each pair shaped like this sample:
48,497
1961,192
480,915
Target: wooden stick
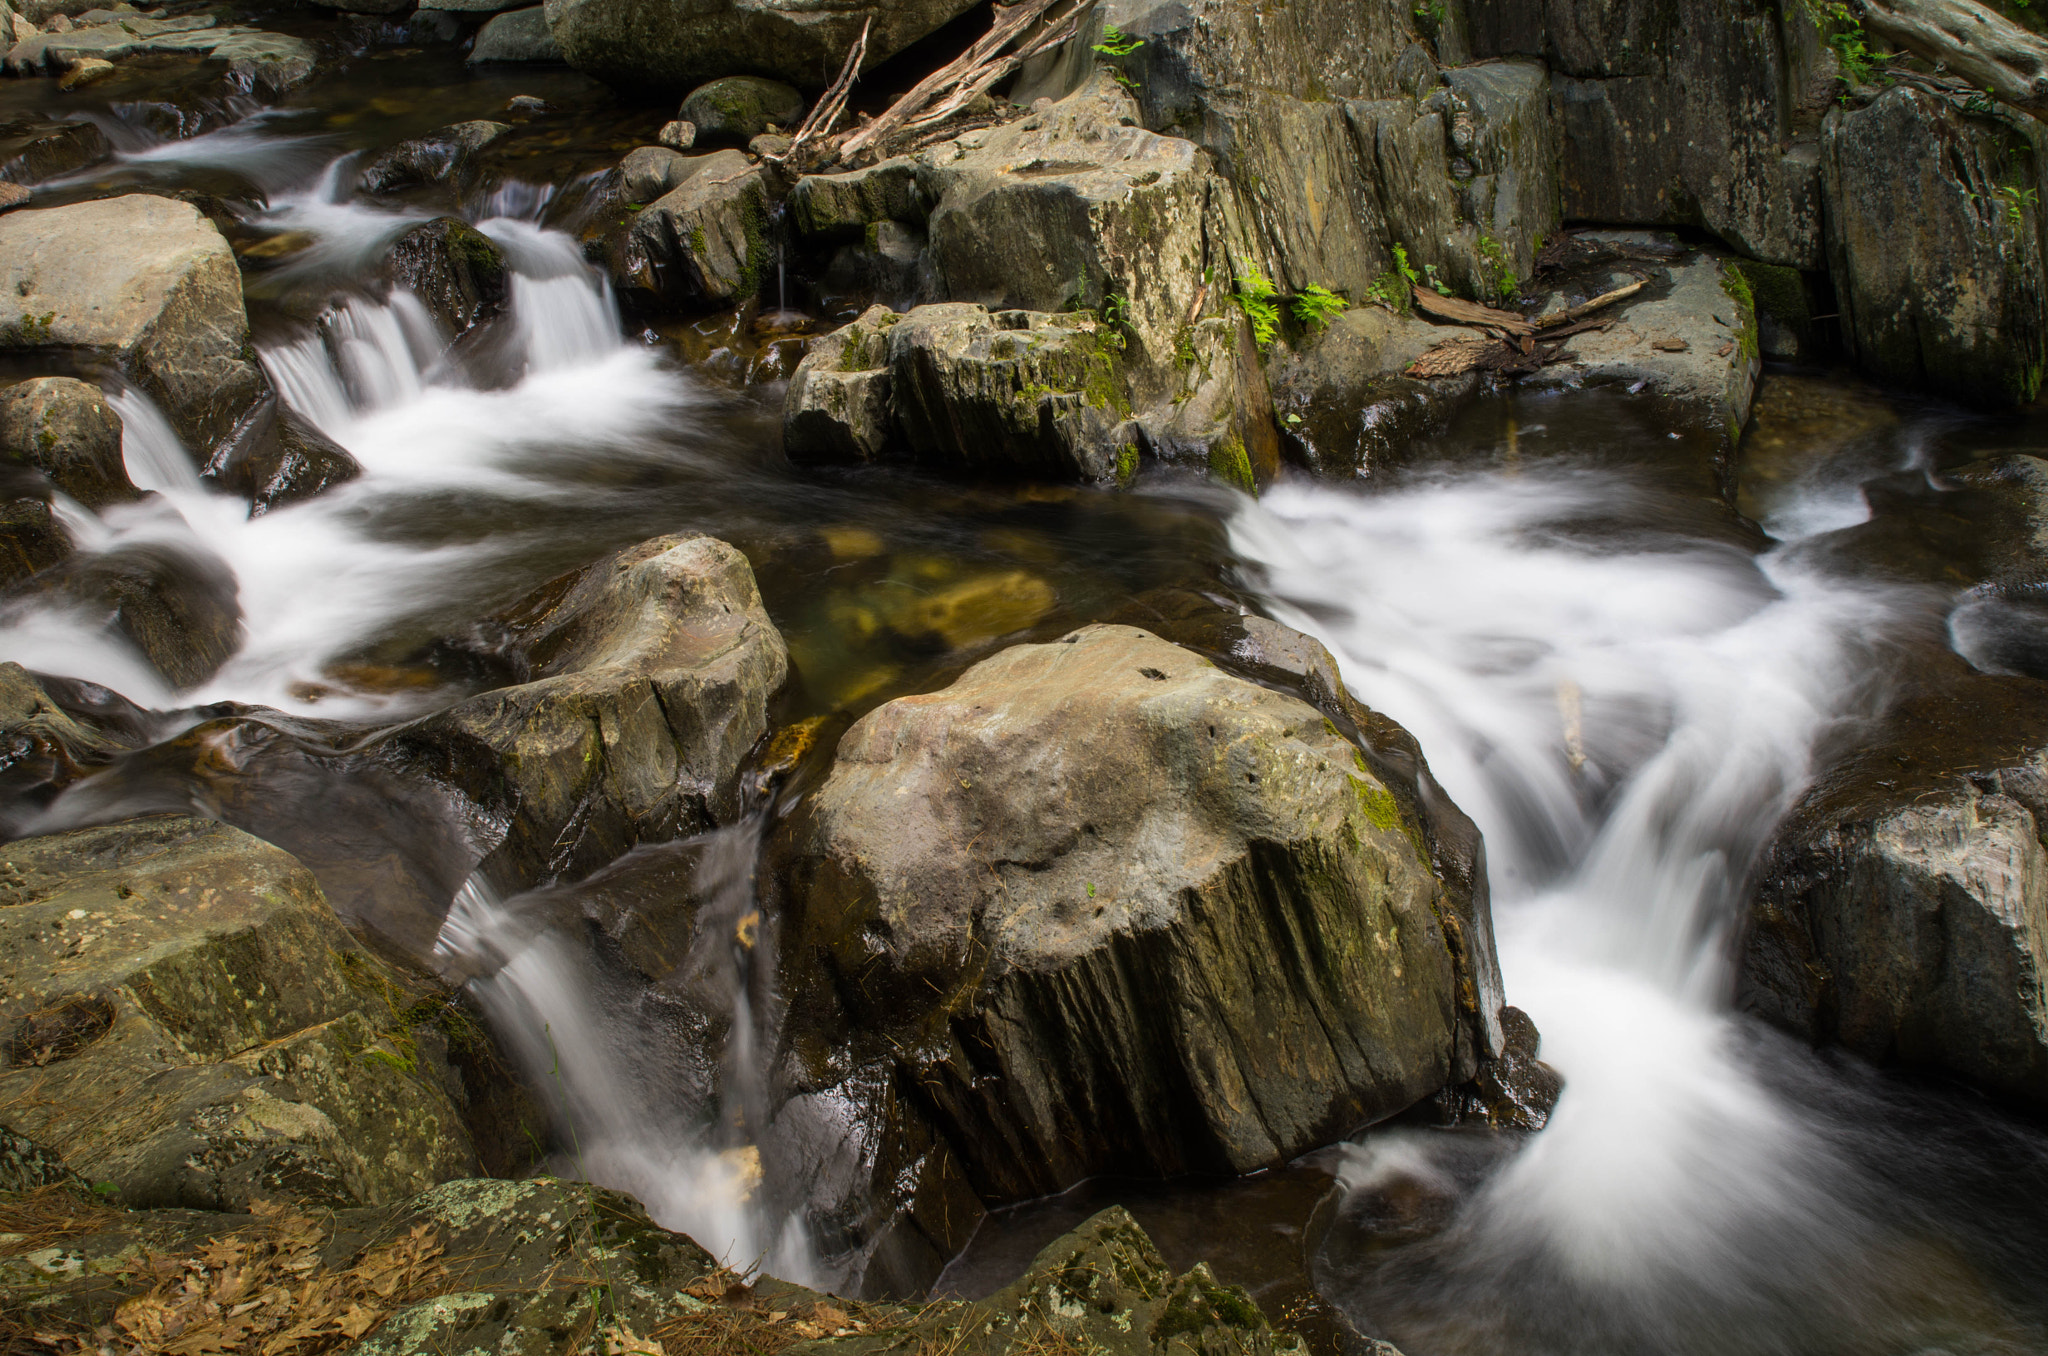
1469,312
826,111
1567,316
1975,42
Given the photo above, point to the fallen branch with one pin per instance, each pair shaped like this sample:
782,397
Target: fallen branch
1032,25
1979,44
825,113
1571,313
1470,312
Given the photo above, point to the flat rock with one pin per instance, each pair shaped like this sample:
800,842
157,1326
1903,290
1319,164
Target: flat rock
145,283
275,62
190,1023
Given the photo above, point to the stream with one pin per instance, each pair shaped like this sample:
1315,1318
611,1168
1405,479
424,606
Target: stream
1621,680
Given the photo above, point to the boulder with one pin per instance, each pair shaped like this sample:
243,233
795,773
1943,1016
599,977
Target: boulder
454,269
650,676
1625,76
844,206
706,240
1115,910
49,728
1949,294
739,108
1221,417
65,429
446,155
13,196
886,264
656,46
191,1024
33,149
517,35
31,538
143,283
648,172
837,407
276,457
178,608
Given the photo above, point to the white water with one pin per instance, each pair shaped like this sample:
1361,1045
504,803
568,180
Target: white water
1625,729
696,1172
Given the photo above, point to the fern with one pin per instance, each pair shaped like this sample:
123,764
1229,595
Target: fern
1315,306
1117,43
1257,298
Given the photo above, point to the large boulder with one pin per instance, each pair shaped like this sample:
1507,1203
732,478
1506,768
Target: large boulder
189,1022
144,283
649,676
741,107
1114,909
65,429
659,47
706,240
275,62
1935,247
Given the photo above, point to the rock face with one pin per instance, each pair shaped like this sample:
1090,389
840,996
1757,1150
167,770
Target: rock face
651,673
520,35
1120,911
659,47
65,429
446,155
275,458
50,746
190,1022
165,305
741,107
706,239
1949,295
455,271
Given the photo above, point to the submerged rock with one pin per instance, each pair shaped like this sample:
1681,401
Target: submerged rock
145,283
446,155
651,672
1938,268
658,47
1117,910
454,269
191,1023
275,457
741,107
65,429
48,727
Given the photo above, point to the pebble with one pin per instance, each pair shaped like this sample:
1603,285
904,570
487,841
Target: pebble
677,135
527,104
13,196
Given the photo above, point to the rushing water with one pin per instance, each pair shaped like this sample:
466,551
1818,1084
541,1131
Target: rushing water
1624,689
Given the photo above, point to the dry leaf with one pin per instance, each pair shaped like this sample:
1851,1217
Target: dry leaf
1669,345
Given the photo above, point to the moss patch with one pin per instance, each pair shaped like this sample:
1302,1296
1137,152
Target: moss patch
1737,287
1230,463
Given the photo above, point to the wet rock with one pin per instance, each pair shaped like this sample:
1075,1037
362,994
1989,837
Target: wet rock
1221,418
33,149
434,25
517,35
31,539
837,407
475,6
446,155
1069,208
706,239
1344,407
1014,392
1219,874
885,263
677,135
1691,335
528,106
161,297
210,1035
49,744
65,429
455,270
1624,76
1516,1091
657,47
1948,295
741,107
649,172
844,206
275,457
178,608
84,71
651,674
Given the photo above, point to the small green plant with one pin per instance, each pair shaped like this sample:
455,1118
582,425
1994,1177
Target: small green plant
1843,30
1429,273
1394,288
1115,315
1260,302
1315,306
1117,43
2018,202
1493,255
1431,11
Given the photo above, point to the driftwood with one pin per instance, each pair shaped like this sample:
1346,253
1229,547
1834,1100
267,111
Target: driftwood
1571,313
825,113
1464,312
1508,357
1978,44
1025,29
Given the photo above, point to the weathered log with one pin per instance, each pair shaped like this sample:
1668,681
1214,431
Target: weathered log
1463,312
1979,44
1566,317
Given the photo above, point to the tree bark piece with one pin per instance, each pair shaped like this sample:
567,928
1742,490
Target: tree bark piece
1470,312
1977,43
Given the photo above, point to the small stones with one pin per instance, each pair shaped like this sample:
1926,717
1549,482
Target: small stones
677,135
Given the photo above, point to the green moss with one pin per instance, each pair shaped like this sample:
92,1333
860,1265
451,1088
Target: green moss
1737,287
1230,463
1126,463
1199,1303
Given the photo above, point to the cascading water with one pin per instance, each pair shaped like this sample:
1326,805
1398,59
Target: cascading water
1626,728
